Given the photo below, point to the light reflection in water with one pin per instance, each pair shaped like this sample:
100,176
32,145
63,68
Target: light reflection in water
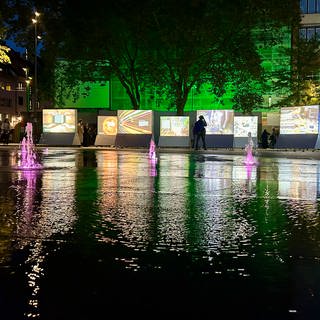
126,190
208,207
298,180
172,201
45,205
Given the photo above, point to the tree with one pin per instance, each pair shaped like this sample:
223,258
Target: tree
206,41
169,45
301,82
112,32
4,58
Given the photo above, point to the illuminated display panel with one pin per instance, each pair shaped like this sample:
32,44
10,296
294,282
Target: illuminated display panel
245,124
59,120
135,121
299,120
218,121
108,125
174,126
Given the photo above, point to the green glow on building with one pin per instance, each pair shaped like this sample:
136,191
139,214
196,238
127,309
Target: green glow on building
112,95
91,95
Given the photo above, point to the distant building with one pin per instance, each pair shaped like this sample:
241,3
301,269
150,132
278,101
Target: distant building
13,88
310,18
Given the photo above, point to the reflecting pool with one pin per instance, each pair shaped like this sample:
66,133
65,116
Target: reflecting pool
99,234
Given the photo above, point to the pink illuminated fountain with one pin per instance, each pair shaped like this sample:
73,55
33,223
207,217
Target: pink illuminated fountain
152,151
153,158
250,160
28,157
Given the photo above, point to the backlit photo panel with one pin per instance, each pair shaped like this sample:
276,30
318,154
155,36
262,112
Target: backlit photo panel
174,126
218,121
135,121
108,125
299,120
59,120
245,124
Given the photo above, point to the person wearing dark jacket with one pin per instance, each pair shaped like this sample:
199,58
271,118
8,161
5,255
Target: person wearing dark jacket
264,139
200,132
273,138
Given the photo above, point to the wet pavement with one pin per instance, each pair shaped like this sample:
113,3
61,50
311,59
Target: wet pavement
100,233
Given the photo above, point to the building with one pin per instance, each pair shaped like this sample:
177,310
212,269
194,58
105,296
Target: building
310,18
14,88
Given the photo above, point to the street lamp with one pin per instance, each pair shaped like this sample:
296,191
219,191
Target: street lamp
36,37
28,80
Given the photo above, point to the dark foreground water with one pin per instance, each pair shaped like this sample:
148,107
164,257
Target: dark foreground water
100,234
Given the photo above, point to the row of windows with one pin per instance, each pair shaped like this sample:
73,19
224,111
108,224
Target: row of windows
310,6
8,87
310,32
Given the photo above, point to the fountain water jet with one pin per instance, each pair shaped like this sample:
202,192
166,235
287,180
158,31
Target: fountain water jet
152,151
28,156
250,160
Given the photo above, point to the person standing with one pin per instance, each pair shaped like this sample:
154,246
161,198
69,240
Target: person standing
86,137
273,138
200,132
80,131
264,139
5,130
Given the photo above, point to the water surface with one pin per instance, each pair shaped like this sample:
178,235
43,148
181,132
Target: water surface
98,234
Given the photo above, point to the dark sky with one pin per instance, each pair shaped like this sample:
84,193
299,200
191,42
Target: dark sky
13,46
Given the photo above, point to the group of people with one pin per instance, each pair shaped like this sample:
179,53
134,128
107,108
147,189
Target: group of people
86,134
268,140
199,133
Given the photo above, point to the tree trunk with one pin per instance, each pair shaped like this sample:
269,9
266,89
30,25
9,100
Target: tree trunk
181,101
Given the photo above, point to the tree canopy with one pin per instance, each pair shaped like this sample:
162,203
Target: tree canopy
301,82
170,46
4,58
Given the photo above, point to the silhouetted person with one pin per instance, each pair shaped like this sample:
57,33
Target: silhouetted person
264,139
86,137
200,132
5,131
273,138
80,131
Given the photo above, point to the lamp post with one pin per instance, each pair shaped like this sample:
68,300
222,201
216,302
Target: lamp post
28,80
35,80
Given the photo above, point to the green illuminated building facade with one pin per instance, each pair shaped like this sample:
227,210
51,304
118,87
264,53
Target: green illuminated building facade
111,95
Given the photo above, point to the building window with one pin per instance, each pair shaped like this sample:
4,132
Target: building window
20,101
8,87
310,6
310,32
19,86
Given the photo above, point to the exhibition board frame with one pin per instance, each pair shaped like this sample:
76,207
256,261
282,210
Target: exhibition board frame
212,140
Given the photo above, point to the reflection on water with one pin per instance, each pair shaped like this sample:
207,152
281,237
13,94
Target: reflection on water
44,206
185,217
298,181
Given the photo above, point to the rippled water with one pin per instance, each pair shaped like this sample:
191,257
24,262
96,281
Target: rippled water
99,234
